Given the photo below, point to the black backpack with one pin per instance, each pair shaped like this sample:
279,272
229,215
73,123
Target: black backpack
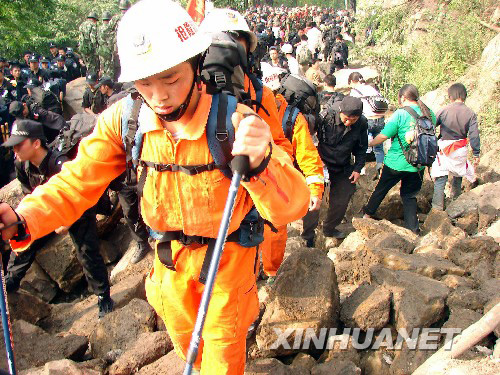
299,92
80,126
46,99
422,150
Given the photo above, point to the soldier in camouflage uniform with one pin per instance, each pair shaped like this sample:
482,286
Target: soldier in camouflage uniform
106,41
123,5
88,42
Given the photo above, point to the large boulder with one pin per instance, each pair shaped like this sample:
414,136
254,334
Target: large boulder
63,366
80,318
478,256
418,300
370,228
266,366
367,307
24,306
336,368
148,348
484,199
58,259
12,193
464,297
304,296
39,284
34,347
120,329
341,348
72,102
169,364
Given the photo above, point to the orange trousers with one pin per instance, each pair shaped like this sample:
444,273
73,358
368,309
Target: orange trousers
175,295
273,249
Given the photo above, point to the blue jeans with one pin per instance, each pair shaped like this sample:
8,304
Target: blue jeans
375,126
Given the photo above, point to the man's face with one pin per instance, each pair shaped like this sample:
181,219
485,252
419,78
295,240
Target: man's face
25,151
34,65
60,64
105,22
16,72
26,57
45,65
53,50
348,120
274,54
62,52
26,111
166,91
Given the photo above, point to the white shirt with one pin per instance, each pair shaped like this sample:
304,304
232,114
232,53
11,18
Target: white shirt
293,65
313,39
366,90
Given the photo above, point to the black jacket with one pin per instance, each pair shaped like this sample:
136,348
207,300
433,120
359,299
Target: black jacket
31,176
337,142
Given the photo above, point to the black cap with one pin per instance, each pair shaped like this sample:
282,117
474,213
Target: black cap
52,45
91,78
32,82
105,80
33,58
16,109
24,129
351,106
44,60
59,58
2,59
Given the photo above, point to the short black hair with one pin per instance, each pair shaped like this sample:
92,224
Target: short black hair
457,91
330,80
304,37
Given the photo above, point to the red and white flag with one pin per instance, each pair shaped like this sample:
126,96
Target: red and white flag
196,9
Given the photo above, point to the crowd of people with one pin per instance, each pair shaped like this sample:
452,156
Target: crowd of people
168,140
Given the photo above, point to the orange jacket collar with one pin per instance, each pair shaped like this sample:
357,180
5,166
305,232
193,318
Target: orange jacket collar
194,129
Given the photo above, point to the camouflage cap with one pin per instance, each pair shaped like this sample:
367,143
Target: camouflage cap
106,16
93,15
124,4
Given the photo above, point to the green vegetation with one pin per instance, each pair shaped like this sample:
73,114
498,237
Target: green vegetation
32,24
441,45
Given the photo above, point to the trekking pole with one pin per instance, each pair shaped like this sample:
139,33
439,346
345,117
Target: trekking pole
7,333
241,165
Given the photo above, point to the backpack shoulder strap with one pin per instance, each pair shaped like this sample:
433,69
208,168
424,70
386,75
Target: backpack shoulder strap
220,131
412,112
359,92
288,121
131,137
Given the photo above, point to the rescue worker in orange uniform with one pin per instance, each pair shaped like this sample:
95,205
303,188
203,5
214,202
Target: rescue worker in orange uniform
308,161
159,48
232,21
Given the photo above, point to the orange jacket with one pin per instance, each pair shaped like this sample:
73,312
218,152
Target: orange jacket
272,119
304,151
171,200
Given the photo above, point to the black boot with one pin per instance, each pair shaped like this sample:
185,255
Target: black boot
105,304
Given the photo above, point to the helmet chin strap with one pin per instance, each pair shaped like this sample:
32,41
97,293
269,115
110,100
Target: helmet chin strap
179,112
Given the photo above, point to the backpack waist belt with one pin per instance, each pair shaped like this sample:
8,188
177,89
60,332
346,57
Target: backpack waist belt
164,248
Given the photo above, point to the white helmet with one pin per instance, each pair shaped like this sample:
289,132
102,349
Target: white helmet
271,75
227,20
156,35
287,48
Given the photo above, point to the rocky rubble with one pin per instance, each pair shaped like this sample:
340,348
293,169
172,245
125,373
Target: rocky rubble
379,280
